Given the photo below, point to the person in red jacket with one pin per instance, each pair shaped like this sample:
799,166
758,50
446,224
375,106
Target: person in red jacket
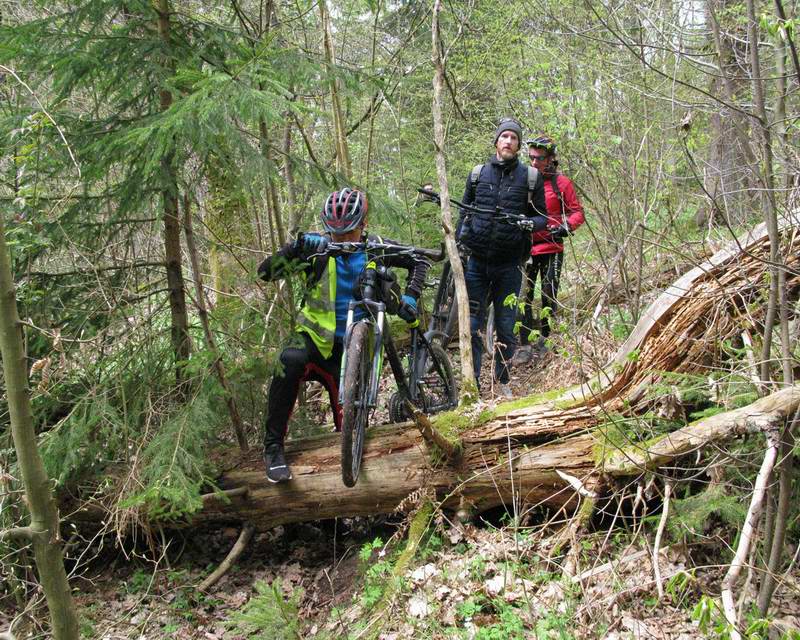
565,214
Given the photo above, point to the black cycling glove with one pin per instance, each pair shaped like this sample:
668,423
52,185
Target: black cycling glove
309,244
561,231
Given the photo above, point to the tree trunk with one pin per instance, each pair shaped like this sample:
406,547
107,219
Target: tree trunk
728,179
181,343
202,311
43,531
469,386
343,165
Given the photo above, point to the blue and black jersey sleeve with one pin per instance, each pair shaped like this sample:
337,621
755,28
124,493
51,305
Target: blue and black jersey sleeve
416,266
286,261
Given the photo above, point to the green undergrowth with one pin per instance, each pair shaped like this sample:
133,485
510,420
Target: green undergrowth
270,614
464,608
394,582
690,515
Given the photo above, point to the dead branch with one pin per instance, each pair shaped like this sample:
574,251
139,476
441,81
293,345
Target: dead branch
237,550
433,436
662,523
746,537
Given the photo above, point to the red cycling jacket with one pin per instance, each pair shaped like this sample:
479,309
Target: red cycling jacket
573,211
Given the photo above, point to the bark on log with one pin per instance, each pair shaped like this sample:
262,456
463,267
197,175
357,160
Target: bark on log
514,452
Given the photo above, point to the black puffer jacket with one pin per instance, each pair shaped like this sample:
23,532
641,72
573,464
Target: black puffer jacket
502,187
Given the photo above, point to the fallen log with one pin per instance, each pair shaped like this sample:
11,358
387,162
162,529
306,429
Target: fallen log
524,468
683,329
758,417
523,452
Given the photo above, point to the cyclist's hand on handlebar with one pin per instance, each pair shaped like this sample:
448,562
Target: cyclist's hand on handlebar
309,244
560,231
408,308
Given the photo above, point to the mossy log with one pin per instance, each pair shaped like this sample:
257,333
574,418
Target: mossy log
536,450
515,456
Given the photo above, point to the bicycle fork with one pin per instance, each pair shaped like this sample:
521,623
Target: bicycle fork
376,345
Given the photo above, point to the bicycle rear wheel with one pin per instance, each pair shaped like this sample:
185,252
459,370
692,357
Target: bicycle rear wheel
444,317
355,402
434,380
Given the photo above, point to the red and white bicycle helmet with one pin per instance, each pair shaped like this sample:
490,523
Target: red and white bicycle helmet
344,210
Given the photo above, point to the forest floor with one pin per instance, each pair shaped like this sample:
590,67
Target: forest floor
473,581
485,580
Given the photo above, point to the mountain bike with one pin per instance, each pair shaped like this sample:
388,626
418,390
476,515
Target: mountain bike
443,326
427,379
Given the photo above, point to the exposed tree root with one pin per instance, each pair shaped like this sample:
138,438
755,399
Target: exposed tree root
233,555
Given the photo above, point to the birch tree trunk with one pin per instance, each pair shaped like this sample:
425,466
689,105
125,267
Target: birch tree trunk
469,387
43,531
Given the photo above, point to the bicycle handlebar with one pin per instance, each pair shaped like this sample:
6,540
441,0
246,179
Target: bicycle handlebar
523,222
352,247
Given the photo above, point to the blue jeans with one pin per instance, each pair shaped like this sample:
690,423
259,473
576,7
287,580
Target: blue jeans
493,283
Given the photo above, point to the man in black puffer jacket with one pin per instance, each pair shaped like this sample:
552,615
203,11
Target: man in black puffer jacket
498,247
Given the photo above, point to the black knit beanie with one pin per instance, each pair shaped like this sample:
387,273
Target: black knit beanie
508,124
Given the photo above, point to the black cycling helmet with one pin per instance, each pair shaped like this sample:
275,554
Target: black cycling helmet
543,142
344,210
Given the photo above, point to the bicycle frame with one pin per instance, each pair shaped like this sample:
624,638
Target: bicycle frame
381,342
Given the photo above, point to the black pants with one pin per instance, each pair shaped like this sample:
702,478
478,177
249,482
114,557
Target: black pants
547,267
301,363
493,283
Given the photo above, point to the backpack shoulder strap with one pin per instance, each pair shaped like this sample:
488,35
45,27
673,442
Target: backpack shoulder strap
557,191
533,178
475,174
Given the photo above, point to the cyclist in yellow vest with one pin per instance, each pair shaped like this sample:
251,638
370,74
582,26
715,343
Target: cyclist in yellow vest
331,283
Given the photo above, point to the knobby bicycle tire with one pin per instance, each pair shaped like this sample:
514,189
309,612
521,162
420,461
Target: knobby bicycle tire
434,376
354,402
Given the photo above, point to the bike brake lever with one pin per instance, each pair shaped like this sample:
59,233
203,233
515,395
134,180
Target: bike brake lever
431,195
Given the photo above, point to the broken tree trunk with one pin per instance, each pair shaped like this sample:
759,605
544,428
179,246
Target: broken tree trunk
541,450
519,455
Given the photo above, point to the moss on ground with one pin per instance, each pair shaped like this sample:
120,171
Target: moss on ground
528,401
416,531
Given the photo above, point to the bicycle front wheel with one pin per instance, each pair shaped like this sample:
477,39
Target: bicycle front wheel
355,402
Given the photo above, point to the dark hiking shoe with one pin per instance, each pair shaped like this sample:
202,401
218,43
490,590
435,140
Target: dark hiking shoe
275,462
540,349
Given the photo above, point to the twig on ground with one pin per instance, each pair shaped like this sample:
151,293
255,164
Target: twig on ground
238,548
657,544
